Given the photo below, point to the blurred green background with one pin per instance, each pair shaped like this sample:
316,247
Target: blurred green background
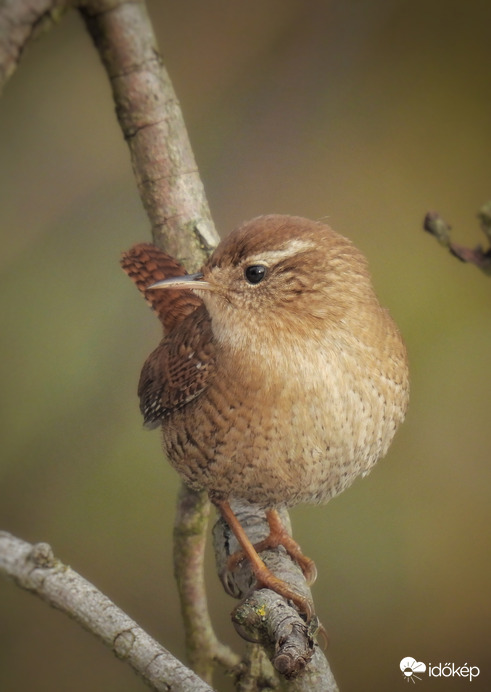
364,113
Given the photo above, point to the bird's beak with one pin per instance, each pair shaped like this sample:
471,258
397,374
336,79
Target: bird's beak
188,281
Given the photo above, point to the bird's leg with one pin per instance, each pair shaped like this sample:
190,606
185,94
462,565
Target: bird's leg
278,535
264,577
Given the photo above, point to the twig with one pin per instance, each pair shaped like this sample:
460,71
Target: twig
36,569
435,225
202,646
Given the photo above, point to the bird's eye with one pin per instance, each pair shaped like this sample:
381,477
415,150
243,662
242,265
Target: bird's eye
255,273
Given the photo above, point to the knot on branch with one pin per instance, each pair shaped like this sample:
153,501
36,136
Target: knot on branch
264,618
124,643
41,556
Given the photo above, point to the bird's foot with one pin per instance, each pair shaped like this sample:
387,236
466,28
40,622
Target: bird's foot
277,536
264,577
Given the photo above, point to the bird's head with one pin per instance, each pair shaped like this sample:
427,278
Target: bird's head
280,273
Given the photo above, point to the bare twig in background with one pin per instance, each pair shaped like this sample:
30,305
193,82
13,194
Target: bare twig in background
34,568
202,646
173,196
440,229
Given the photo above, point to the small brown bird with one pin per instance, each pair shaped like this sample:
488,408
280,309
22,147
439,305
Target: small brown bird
280,377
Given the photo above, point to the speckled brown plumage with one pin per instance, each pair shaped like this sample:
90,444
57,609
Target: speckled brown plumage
279,390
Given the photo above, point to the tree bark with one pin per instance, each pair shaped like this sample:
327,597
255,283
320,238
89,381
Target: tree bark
36,569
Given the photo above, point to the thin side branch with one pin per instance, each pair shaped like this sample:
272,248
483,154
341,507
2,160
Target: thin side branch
36,569
202,645
435,225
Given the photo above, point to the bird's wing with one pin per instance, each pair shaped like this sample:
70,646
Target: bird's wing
179,369
146,264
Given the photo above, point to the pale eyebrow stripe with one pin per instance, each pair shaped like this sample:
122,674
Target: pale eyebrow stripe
291,248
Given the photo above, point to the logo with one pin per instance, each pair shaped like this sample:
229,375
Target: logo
410,667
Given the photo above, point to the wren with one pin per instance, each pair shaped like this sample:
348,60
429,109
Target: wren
280,378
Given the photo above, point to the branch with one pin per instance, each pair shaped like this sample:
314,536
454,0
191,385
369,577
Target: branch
266,618
440,229
36,569
171,190
21,20
173,196
202,645
151,120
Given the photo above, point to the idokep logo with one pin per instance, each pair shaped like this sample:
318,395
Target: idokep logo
411,667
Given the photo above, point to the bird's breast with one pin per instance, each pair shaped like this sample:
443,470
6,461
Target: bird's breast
285,427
